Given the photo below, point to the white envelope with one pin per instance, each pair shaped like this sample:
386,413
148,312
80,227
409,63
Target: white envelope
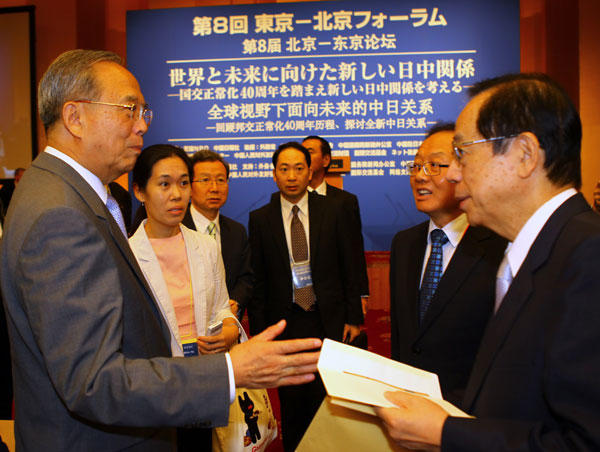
357,379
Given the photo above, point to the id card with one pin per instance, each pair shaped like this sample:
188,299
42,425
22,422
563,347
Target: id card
190,347
301,275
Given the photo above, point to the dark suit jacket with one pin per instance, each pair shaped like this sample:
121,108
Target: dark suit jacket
91,356
351,207
235,251
534,384
447,340
332,267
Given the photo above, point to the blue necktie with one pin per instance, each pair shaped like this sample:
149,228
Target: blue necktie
433,271
115,211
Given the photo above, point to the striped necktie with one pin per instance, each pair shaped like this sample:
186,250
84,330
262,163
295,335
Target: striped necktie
211,230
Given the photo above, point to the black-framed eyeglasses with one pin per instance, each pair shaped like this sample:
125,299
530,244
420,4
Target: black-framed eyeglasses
458,152
430,168
205,181
137,111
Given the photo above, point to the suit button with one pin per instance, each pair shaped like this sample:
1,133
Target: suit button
416,350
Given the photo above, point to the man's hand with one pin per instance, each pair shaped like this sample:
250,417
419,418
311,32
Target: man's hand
364,301
264,363
416,424
350,332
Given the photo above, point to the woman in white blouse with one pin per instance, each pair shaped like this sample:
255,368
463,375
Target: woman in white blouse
183,267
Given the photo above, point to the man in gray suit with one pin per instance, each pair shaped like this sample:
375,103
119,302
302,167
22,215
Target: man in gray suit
91,357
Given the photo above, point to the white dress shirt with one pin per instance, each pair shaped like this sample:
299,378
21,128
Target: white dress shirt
454,231
517,251
202,223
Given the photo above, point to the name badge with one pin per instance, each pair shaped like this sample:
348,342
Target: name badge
190,347
301,275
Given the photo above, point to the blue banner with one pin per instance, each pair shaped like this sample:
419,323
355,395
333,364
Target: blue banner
368,77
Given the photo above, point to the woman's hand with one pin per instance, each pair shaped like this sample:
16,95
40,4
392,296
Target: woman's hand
221,342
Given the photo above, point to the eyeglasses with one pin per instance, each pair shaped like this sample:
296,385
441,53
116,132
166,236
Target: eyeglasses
430,168
460,152
137,111
206,181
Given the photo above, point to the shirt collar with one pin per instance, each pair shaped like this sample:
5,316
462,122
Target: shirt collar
517,251
453,230
321,189
286,206
201,221
87,175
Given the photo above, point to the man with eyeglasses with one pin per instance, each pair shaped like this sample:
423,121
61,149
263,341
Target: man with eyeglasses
210,188
91,352
534,382
442,274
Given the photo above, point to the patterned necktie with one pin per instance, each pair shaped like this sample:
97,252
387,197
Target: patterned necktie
115,211
503,280
211,230
433,270
305,296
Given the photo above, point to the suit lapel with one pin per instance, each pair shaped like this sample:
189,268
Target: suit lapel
518,294
188,220
465,258
226,244
275,223
91,198
315,219
416,254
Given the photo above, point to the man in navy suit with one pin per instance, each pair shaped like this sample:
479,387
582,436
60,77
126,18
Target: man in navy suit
320,156
534,382
440,333
210,189
302,259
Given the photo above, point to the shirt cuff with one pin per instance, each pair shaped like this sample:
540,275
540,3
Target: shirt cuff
231,379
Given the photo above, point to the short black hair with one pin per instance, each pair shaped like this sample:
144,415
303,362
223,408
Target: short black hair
208,155
440,126
534,103
291,144
142,171
325,146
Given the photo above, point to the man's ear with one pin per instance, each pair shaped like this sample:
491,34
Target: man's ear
71,118
530,154
326,160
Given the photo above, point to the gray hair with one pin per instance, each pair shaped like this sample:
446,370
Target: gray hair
69,77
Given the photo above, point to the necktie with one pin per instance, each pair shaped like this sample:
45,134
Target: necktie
305,296
211,230
433,270
503,280
115,211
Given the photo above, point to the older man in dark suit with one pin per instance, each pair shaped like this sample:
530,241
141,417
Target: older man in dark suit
91,356
301,256
210,189
439,313
534,382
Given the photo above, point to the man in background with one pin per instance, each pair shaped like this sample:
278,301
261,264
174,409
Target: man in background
302,260
210,189
91,358
533,385
320,154
442,274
